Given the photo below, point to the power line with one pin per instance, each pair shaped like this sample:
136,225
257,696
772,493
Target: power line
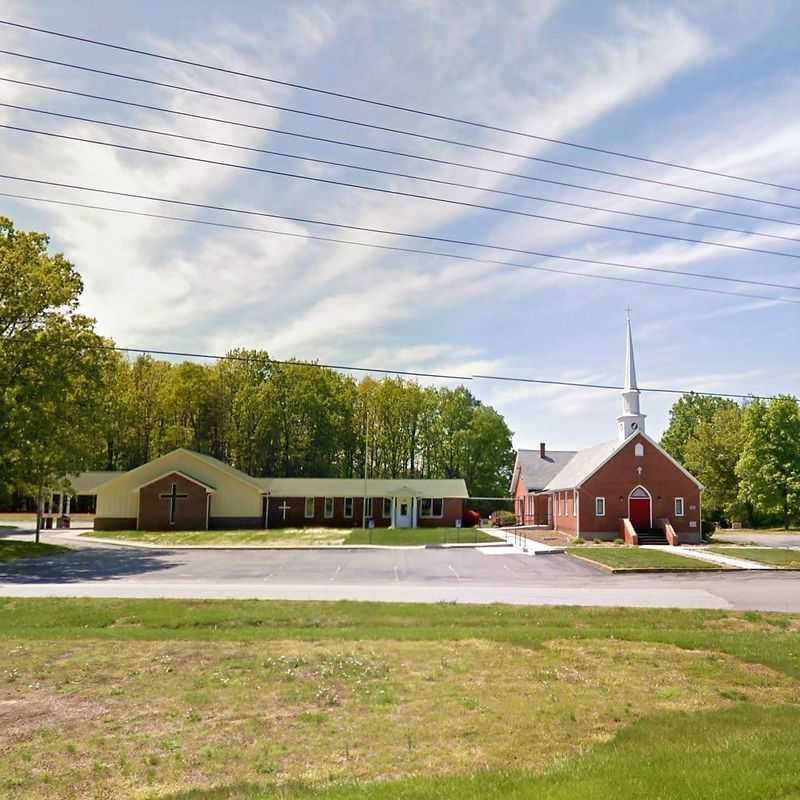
232,356
377,171
458,257
399,131
394,106
399,193
399,153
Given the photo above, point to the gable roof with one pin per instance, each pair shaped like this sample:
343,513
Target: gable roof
210,460
582,464
535,471
207,486
87,482
587,462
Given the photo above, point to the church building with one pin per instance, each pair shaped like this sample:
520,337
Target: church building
185,490
628,487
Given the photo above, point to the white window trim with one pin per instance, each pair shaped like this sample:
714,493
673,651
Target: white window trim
431,515
368,501
599,506
683,507
386,511
313,508
327,514
352,505
638,450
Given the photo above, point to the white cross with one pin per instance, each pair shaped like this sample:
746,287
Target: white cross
284,508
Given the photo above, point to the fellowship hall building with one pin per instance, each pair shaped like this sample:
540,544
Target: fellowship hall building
185,490
628,485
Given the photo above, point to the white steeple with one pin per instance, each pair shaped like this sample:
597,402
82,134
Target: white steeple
631,419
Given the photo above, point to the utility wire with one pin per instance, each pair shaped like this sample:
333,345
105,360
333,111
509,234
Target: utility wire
418,251
375,170
233,356
400,153
392,106
399,131
399,193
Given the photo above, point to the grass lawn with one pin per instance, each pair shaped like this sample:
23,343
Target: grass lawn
12,550
639,558
773,555
755,531
288,537
195,700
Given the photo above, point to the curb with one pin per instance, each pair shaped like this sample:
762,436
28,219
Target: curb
236,547
656,570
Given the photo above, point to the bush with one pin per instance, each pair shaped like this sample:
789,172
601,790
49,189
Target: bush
503,519
471,518
708,528
619,541
578,540
596,540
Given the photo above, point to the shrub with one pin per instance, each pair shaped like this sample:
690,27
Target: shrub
708,528
619,541
471,518
503,519
578,540
597,540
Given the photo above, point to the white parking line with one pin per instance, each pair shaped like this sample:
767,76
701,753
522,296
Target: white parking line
458,577
338,570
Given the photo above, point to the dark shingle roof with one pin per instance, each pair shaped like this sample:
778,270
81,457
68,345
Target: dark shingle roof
537,472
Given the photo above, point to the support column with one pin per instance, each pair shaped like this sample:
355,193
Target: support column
413,512
67,505
391,513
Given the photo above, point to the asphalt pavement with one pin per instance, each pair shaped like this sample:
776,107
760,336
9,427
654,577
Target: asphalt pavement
474,575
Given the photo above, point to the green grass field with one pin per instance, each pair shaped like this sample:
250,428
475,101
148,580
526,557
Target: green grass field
639,558
195,700
11,550
774,556
289,537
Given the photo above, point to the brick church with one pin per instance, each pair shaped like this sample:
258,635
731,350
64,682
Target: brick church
628,487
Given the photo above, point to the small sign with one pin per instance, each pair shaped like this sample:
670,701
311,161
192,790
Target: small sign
458,523
370,523
692,508
692,524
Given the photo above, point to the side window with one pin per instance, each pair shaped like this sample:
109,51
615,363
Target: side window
328,507
387,507
309,511
678,506
348,507
600,506
369,506
638,450
437,506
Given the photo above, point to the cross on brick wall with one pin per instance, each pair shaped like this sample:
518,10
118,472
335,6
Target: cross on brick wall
284,508
173,496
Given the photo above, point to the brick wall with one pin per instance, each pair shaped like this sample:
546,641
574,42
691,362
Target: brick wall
621,475
190,511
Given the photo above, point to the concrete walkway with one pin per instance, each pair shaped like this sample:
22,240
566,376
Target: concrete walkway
713,558
522,543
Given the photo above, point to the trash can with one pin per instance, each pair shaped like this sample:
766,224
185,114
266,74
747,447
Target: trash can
63,521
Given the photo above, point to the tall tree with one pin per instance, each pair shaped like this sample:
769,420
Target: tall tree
684,416
52,367
711,455
769,467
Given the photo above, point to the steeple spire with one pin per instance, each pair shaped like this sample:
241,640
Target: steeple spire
631,420
630,364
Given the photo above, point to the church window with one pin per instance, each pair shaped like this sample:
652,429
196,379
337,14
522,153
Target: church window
328,507
638,450
599,506
309,512
387,507
348,507
368,501
678,506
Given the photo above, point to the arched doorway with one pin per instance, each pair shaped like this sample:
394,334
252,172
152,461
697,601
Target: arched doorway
640,509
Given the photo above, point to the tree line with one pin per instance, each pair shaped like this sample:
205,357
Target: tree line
746,455
70,402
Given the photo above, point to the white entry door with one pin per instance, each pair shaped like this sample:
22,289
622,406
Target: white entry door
402,512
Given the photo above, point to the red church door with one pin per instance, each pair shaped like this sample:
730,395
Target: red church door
640,513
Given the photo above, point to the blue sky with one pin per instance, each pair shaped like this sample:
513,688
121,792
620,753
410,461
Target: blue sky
713,85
